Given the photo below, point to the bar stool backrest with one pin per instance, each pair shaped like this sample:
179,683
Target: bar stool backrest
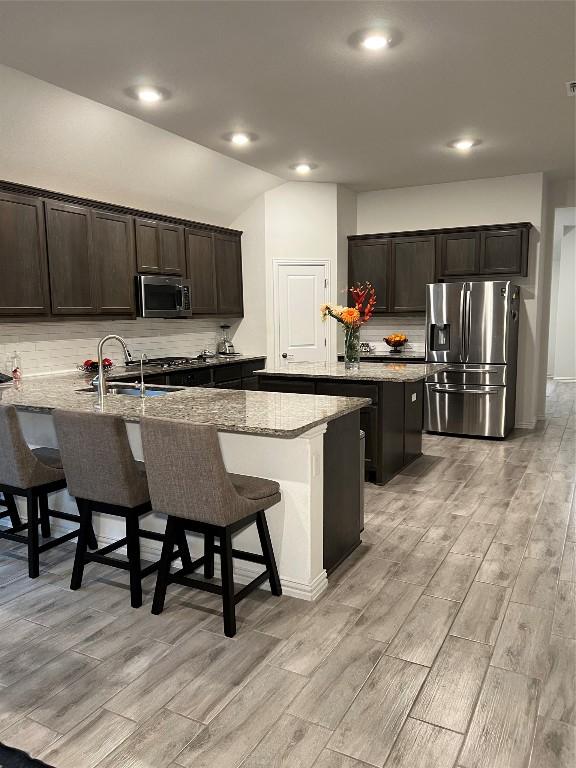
18,465
186,473
98,460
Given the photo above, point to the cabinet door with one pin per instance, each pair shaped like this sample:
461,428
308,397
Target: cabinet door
172,257
23,268
459,253
147,246
73,285
228,257
502,252
413,267
201,272
369,262
115,262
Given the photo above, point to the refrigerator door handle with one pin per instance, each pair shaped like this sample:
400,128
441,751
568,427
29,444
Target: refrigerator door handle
466,323
465,390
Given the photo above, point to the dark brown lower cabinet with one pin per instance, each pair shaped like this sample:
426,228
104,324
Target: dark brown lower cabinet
23,266
392,422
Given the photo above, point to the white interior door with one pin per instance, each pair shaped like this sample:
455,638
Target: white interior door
301,334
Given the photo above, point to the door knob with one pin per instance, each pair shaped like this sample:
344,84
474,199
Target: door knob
284,355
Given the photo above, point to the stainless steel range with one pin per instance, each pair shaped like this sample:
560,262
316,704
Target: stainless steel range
473,327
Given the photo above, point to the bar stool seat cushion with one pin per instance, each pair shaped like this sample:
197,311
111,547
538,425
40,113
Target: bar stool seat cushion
255,488
50,457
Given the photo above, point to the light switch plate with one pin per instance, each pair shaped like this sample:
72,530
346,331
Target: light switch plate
413,397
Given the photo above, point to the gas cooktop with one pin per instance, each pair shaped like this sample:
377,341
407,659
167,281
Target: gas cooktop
169,362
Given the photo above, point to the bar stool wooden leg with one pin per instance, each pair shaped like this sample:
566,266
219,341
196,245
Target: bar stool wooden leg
133,551
268,552
15,520
228,605
184,551
209,556
44,516
33,552
82,543
91,537
170,538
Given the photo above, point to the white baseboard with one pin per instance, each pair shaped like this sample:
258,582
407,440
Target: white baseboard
563,378
244,571
525,424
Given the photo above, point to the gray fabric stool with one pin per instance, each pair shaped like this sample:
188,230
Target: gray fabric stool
189,482
104,477
32,474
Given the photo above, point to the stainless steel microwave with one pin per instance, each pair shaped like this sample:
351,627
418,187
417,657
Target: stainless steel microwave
164,296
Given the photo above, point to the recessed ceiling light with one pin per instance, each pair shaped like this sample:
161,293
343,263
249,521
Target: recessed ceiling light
375,39
375,42
148,94
303,168
463,145
240,139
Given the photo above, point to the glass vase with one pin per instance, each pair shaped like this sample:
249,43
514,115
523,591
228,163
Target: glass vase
351,348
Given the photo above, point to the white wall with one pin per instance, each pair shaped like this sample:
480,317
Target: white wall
301,223
562,342
467,203
54,139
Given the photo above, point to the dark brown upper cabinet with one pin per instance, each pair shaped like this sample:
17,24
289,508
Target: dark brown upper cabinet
201,264
228,261
23,266
64,256
504,252
114,255
73,283
160,248
369,262
413,265
459,253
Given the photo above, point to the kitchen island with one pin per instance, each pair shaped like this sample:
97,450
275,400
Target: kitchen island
392,420
284,437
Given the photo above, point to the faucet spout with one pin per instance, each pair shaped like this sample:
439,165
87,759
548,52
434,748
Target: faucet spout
102,387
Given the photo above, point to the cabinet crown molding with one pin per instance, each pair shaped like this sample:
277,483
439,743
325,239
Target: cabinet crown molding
23,189
442,231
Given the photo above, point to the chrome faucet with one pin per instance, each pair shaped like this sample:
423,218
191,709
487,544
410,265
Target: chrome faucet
102,387
143,361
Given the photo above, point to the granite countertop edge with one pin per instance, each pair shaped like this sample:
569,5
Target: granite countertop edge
374,372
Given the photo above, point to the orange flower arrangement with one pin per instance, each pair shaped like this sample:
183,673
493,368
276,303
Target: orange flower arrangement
364,297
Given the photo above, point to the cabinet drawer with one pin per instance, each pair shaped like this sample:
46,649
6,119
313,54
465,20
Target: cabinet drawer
255,365
348,389
277,384
228,372
199,378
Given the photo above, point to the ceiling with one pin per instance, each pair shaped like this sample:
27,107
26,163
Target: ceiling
285,70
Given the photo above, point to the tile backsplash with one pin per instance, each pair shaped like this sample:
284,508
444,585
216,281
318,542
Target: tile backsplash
414,326
60,346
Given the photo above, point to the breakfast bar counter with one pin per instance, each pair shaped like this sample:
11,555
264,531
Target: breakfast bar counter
297,440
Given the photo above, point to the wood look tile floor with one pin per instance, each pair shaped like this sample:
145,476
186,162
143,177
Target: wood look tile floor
447,640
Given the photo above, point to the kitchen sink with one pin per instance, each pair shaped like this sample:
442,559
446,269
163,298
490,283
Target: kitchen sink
130,390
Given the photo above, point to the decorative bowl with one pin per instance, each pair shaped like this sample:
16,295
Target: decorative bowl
396,341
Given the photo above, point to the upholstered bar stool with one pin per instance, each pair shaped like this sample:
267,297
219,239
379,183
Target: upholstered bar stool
32,474
104,477
189,482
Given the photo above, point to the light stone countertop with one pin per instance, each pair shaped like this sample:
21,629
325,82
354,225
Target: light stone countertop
272,414
394,372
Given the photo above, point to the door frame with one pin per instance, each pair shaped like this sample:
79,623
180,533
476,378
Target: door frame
276,264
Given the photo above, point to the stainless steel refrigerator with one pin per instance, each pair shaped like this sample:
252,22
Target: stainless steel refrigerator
474,328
